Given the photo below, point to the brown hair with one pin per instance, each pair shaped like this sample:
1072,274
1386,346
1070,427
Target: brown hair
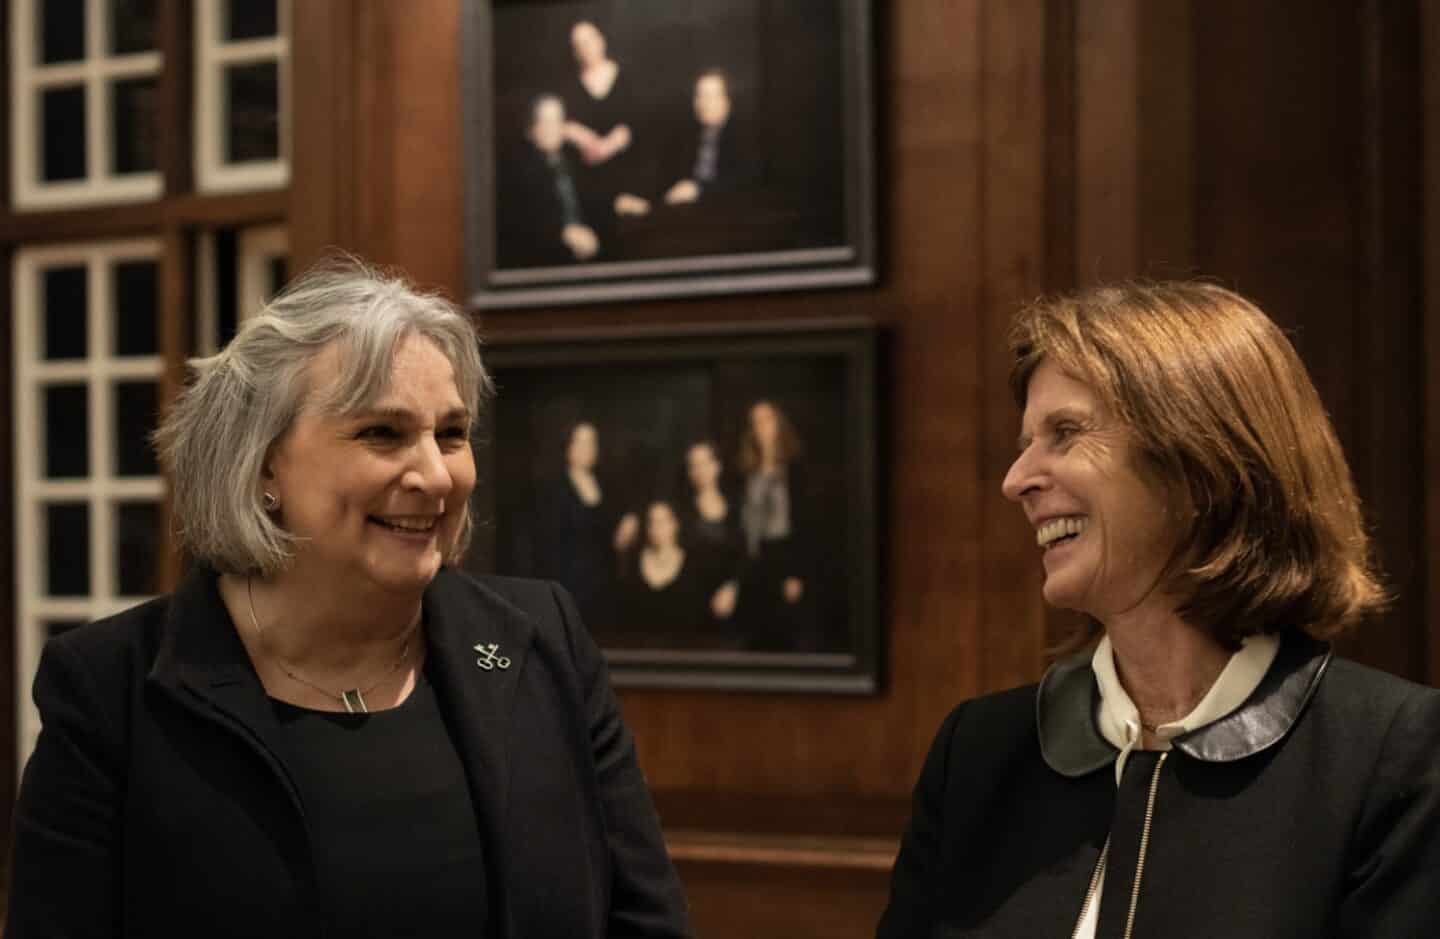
787,443
1224,414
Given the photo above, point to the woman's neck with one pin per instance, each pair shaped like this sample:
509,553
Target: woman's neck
328,632
599,78
660,564
587,487
710,503
1165,664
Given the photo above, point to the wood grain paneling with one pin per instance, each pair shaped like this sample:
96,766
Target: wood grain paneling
1015,270
1025,146
933,294
1429,396
1307,161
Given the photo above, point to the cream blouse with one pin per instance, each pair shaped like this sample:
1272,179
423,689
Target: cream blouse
1119,719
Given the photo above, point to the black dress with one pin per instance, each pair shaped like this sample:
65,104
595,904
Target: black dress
396,843
718,547
631,170
772,622
537,197
677,614
575,545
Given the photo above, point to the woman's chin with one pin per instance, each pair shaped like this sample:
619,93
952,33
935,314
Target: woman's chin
1061,593
401,578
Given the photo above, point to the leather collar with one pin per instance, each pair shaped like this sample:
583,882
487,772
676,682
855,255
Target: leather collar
1072,744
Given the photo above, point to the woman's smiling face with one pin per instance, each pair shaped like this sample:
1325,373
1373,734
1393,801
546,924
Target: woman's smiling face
377,498
1106,530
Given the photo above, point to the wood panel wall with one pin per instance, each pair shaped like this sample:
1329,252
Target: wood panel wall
1026,146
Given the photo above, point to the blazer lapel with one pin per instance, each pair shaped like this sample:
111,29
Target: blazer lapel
478,701
203,665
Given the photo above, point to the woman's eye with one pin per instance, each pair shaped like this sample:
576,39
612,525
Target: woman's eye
380,432
1063,433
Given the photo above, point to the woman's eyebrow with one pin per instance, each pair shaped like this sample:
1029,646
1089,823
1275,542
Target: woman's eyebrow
402,414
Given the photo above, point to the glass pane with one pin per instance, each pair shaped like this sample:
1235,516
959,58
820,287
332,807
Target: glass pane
252,101
136,307
67,431
57,627
137,548
279,273
132,26
227,285
132,108
62,136
64,292
251,19
68,549
136,404
62,30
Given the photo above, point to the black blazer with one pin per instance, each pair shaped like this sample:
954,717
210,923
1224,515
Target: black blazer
1313,810
153,804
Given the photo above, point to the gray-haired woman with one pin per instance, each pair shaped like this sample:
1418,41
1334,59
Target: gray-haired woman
327,730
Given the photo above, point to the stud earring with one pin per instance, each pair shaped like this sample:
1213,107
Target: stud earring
269,500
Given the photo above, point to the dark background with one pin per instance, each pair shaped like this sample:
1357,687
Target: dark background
647,416
784,63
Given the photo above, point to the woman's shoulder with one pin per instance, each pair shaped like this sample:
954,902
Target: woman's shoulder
541,608
1000,716
527,595
119,637
1366,697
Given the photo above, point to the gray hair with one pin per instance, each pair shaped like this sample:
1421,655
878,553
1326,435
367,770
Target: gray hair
219,432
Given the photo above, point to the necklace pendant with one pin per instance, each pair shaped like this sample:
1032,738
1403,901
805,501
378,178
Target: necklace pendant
354,701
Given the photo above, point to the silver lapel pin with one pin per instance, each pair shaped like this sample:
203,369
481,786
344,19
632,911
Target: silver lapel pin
490,657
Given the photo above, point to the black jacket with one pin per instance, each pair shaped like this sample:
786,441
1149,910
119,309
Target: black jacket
1313,810
154,804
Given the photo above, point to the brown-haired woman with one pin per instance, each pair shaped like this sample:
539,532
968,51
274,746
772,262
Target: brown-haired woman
775,603
1209,767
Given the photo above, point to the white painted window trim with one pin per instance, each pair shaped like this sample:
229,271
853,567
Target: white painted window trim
97,73
256,248
212,55
101,490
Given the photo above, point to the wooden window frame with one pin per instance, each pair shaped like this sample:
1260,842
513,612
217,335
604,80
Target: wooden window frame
173,221
212,56
97,73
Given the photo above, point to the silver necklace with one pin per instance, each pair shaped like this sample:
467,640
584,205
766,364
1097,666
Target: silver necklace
352,698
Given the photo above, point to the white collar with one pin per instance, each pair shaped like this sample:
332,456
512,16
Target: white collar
1119,719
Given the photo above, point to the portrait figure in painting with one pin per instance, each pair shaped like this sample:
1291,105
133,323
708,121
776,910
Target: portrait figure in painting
602,121
709,160
579,530
545,216
668,590
711,519
776,602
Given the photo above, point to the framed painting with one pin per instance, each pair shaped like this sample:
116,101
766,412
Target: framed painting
707,497
649,148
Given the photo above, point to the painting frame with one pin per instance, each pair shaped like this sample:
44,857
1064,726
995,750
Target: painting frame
845,351
845,257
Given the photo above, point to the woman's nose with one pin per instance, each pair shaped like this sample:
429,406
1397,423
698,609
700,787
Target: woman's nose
430,472
1024,475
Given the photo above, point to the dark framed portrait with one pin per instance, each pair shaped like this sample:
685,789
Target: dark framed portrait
706,496
646,148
